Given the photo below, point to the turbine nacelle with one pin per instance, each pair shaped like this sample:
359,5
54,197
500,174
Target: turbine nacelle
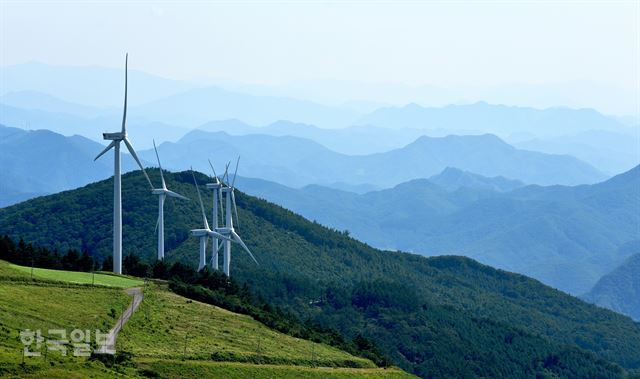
200,232
117,136
214,185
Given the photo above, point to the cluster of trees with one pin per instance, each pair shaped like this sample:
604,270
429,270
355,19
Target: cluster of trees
26,254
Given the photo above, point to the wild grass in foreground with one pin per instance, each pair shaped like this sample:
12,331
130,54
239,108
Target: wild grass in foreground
233,370
44,307
169,326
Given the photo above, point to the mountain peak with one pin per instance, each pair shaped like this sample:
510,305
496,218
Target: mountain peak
472,139
452,179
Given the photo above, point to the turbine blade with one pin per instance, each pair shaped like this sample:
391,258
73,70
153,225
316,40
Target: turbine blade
157,224
215,176
235,174
124,115
112,144
235,208
159,165
226,173
174,194
135,156
221,210
238,240
204,216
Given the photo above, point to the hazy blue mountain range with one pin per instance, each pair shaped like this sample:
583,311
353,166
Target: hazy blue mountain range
567,237
295,161
289,160
33,100
452,179
164,100
89,86
498,119
606,143
40,162
611,152
141,130
619,290
353,140
197,106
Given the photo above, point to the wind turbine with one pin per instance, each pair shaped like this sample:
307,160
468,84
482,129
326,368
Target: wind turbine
228,230
162,195
216,186
205,232
115,139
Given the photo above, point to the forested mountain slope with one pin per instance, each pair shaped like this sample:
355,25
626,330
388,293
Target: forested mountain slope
443,316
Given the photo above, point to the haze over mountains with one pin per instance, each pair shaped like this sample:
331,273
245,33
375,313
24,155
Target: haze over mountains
296,162
567,237
41,162
340,154
45,96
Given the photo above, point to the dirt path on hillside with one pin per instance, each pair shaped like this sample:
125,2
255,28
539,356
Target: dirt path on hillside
110,346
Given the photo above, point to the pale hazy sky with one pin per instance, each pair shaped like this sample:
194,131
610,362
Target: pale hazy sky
438,43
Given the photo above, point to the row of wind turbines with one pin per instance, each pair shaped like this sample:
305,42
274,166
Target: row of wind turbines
221,235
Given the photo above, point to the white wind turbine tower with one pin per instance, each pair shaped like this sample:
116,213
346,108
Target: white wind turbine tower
228,230
115,139
162,195
216,186
205,232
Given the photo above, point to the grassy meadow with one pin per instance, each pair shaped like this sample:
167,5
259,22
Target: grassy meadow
219,343
100,279
166,323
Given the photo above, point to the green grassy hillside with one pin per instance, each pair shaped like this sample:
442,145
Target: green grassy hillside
167,322
105,279
444,316
235,370
26,303
155,335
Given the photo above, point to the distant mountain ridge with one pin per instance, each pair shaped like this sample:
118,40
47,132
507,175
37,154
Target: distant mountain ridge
498,119
174,108
142,131
297,162
619,290
352,140
34,100
452,179
567,237
200,105
89,85
40,162
611,151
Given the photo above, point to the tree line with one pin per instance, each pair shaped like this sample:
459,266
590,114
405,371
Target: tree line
206,286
